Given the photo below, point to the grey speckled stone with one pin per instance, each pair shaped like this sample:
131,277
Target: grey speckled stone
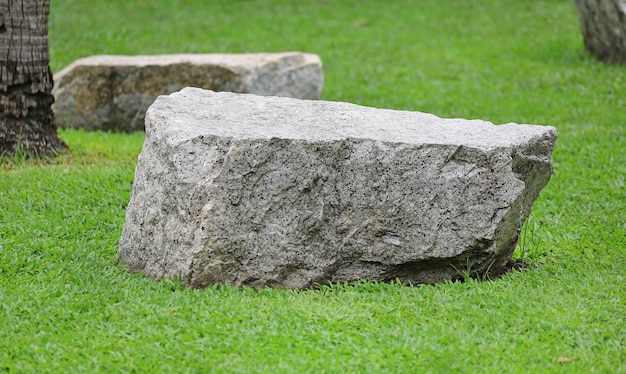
266,191
114,92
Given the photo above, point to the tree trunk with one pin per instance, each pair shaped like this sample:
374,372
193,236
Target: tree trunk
26,118
603,25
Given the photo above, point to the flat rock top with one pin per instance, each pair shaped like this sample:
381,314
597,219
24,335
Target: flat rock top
192,112
235,59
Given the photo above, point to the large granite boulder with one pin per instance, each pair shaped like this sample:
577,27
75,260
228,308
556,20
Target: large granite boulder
267,191
114,92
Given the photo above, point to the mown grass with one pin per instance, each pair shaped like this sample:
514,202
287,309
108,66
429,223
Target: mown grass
66,307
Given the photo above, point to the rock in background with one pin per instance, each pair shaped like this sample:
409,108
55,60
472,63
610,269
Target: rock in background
267,191
114,92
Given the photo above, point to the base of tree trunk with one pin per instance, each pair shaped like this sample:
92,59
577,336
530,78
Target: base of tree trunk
29,141
27,124
603,25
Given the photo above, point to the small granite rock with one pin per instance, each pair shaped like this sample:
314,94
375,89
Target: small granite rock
266,191
114,92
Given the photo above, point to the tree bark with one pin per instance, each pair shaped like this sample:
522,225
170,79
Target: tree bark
603,25
26,118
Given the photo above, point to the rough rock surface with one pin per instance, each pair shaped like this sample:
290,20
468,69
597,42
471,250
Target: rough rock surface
267,191
114,92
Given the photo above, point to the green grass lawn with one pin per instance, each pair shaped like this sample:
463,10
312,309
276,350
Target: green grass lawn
66,307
